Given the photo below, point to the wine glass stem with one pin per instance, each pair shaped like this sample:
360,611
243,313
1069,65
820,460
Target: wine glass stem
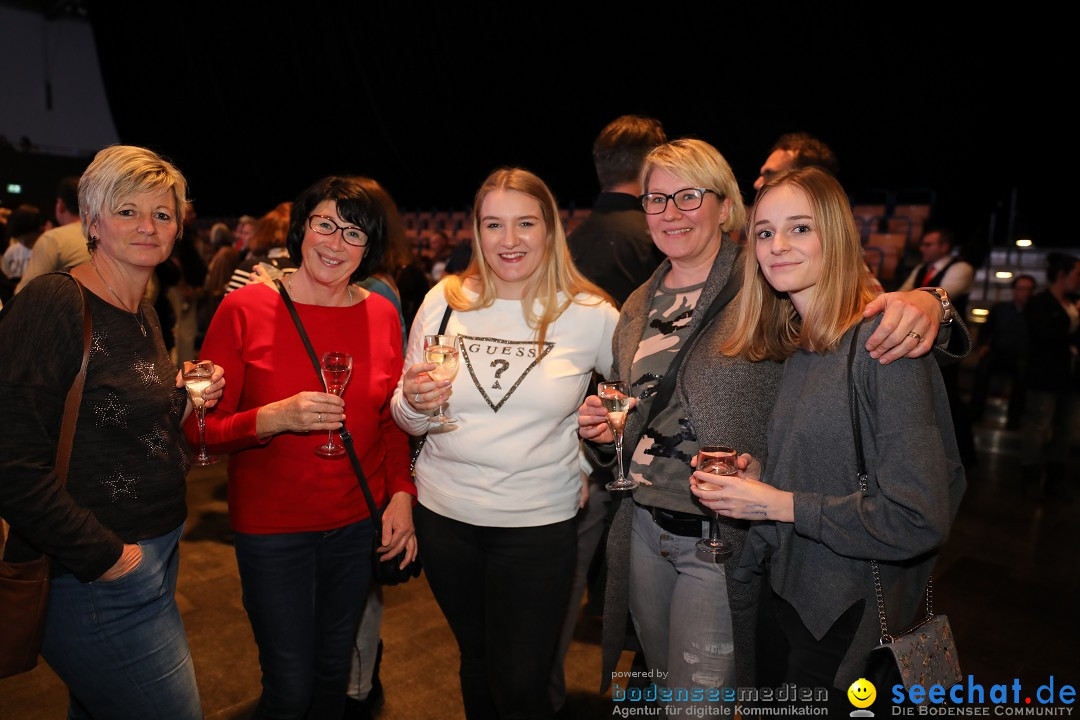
200,413
618,454
714,527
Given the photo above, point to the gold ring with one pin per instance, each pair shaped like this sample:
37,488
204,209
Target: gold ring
320,418
917,336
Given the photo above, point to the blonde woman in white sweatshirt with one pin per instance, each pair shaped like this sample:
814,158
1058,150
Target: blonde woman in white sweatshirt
500,487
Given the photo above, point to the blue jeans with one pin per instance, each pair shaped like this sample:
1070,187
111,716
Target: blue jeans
304,593
120,644
679,604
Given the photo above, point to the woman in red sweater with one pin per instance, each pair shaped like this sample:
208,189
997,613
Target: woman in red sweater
303,531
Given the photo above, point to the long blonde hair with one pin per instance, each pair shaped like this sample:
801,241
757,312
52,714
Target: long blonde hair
768,326
555,274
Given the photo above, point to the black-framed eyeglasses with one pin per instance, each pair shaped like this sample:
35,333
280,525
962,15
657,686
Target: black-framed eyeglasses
685,199
327,226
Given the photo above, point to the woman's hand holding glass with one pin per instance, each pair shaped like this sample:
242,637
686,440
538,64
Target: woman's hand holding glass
303,412
398,532
592,420
211,395
421,392
743,495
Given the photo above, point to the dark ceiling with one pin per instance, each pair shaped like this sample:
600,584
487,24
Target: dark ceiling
255,101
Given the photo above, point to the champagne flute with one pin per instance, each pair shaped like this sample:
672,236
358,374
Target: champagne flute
336,369
442,350
717,460
197,374
616,399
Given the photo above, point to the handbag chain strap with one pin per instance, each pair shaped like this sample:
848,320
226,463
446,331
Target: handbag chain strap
860,461
344,434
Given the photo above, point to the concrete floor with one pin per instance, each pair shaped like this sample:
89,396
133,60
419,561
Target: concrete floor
1008,580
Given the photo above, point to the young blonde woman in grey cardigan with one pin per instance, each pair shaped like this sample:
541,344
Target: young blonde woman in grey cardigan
803,297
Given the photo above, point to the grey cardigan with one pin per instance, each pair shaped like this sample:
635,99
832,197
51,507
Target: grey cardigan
819,564
727,400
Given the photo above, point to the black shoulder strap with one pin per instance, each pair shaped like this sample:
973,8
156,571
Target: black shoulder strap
423,438
346,436
445,319
853,403
666,387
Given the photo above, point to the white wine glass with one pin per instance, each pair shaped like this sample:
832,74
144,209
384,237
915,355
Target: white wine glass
616,399
717,460
197,377
443,351
336,370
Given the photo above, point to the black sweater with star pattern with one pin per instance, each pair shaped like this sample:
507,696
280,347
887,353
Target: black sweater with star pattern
129,457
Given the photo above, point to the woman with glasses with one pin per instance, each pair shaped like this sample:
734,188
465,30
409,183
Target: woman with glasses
303,531
695,627
499,488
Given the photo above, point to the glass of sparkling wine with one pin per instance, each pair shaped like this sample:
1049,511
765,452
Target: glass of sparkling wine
443,351
717,460
616,399
197,376
336,369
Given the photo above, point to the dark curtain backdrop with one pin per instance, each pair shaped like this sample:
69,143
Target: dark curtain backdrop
255,101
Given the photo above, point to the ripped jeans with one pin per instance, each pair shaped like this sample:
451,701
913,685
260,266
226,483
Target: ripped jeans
679,604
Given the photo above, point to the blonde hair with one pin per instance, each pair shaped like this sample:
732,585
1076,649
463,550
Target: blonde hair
767,326
699,163
555,274
120,171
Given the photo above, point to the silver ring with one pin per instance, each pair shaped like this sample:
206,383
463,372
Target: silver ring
416,398
917,336
320,418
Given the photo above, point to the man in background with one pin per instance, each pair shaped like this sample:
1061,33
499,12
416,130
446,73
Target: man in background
941,268
793,151
612,247
62,247
1002,349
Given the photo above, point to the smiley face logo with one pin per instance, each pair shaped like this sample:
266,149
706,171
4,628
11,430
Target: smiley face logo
862,693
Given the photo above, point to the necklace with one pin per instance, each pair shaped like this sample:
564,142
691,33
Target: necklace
348,288
117,296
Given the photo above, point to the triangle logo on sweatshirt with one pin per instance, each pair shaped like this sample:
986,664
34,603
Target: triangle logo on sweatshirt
498,366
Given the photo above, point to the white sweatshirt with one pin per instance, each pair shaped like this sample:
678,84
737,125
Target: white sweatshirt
512,459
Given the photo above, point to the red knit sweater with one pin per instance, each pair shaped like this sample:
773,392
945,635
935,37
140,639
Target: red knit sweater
281,485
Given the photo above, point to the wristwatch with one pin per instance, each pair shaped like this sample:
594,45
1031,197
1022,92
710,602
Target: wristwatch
946,304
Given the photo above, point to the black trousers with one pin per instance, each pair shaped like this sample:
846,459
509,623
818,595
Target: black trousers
504,592
787,652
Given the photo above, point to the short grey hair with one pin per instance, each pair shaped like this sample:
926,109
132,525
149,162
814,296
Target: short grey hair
120,171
